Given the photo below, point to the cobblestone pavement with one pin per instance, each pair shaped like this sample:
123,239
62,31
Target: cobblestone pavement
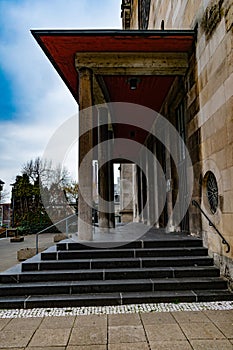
179,330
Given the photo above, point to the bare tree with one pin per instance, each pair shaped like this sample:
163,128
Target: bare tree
3,196
45,173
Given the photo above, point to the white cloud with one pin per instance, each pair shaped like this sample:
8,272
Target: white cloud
42,100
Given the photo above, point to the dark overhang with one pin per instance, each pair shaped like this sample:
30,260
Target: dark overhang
61,46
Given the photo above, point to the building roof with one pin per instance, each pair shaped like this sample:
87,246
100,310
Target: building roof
61,46
156,57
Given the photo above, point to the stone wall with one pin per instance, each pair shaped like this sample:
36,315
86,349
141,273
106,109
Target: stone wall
209,105
215,80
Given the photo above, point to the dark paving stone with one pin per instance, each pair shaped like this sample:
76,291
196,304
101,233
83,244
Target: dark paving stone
111,286
170,252
15,302
138,273
177,261
96,254
213,295
73,300
199,271
158,297
115,263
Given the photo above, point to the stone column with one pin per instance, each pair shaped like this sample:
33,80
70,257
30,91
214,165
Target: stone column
111,182
156,190
85,145
150,187
103,170
170,225
139,193
144,191
126,193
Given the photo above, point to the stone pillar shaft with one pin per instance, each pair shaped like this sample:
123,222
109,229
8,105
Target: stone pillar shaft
103,169
85,146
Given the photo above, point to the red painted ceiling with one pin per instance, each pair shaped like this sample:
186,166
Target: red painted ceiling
150,92
61,46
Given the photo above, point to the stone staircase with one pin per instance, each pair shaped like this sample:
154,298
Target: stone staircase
174,268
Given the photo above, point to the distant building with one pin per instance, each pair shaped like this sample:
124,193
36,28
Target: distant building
5,214
1,187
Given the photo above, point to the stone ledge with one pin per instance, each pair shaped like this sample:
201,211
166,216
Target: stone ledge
59,237
17,239
26,253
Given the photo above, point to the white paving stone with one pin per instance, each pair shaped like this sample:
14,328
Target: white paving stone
119,309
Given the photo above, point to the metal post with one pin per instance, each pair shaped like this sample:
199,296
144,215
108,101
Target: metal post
67,228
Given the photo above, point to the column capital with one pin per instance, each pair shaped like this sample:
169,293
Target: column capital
85,71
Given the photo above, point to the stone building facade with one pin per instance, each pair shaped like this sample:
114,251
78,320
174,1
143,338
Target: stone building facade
174,58
200,105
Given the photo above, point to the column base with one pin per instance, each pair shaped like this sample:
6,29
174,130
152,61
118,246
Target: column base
126,216
85,231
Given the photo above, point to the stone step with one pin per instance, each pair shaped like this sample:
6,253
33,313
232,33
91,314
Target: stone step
110,286
111,274
163,269
124,253
188,241
105,299
117,263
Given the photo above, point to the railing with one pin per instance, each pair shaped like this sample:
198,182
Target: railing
47,228
197,205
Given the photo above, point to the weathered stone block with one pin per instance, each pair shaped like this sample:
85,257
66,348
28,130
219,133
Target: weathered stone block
17,239
212,17
59,237
26,253
228,15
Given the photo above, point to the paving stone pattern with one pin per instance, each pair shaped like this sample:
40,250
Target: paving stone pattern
179,330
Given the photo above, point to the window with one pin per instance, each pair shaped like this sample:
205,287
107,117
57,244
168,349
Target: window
212,191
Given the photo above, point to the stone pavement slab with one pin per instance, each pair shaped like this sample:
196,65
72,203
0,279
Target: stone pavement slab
13,348
57,322
202,330
3,322
47,348
129,346
180,330
157,318
126,334
226,328
91,320
164,332
190,316
216,344
50,337
92,335
171,345
219,315
23,324
86,347
19,338
124,320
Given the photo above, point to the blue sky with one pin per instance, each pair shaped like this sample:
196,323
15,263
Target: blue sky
34,101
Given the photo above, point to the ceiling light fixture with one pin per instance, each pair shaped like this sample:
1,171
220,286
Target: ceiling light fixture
133,83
